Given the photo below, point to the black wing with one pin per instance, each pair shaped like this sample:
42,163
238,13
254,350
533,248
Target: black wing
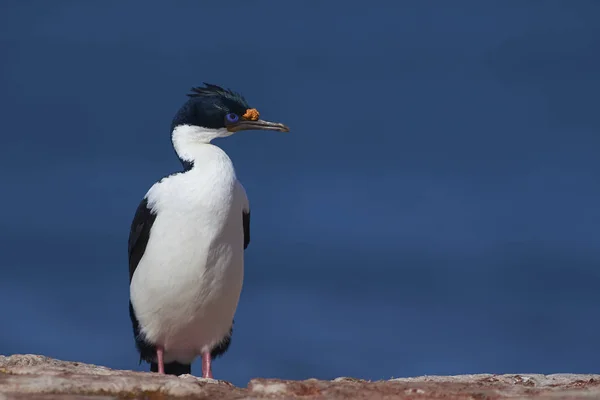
138,239
246,222
139,234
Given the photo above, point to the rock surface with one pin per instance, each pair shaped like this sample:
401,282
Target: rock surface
39,377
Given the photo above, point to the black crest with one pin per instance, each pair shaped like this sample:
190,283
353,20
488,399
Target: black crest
213,90
207,107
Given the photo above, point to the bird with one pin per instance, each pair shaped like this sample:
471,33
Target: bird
188,237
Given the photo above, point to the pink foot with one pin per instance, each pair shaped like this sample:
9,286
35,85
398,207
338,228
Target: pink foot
161,363
206,368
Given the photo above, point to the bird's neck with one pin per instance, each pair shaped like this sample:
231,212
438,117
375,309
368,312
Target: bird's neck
193,147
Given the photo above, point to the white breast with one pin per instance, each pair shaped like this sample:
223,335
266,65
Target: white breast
186,287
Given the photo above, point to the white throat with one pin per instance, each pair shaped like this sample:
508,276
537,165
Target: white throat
189,141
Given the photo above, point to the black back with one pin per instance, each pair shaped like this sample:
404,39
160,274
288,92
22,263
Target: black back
246,223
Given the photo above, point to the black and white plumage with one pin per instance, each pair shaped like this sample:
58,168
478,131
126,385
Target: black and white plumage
187,239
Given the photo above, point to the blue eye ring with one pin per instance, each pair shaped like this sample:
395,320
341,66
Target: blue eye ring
232,118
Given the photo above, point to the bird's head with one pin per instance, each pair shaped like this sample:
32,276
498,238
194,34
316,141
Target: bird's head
212,112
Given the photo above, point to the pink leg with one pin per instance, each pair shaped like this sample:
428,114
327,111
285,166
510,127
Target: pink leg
161,362
206,369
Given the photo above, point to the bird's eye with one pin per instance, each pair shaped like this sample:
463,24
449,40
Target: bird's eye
231,117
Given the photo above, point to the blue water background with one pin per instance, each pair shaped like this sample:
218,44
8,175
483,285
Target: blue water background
435,210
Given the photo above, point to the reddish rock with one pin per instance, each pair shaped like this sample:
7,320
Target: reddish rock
39,377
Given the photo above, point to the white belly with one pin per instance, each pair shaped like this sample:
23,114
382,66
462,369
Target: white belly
186,287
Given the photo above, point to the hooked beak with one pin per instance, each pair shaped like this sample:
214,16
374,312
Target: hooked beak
261,125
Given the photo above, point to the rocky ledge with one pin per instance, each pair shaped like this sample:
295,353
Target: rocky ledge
39,377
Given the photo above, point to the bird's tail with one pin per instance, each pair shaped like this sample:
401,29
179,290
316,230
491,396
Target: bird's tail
173,368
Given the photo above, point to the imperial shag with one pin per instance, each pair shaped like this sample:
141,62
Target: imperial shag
187,239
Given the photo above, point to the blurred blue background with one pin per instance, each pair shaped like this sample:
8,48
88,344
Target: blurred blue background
435,209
